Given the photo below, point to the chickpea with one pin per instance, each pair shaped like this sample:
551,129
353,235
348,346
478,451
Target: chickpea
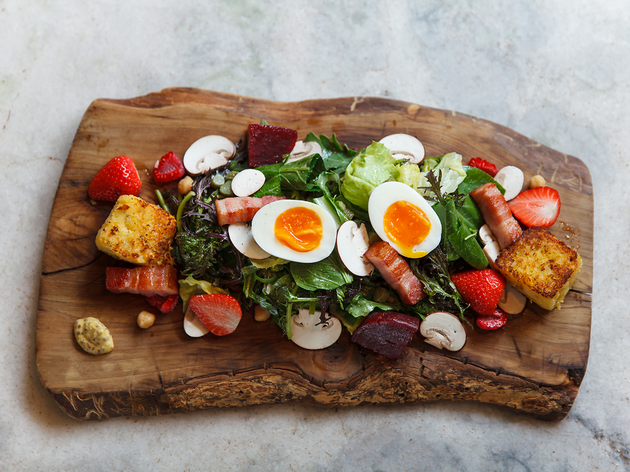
185,185
145,319
537,181
260,314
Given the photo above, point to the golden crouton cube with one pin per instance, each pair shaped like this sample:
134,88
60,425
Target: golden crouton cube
540,266
138,232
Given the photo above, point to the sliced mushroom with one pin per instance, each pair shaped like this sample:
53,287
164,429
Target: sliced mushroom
491,250
308,332
208,153
193,326
404,146
243,240
443,330
512,301
511,179
247,182
485,234
352,242
302,150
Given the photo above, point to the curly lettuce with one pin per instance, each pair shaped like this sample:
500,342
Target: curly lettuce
369,169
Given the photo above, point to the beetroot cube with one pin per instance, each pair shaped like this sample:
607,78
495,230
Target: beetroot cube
267,144
386,332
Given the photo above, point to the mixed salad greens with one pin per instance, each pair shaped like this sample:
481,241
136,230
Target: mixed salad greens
340,180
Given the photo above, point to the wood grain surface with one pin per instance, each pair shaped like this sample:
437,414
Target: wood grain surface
534,365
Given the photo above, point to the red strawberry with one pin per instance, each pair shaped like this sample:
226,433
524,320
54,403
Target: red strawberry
219,313
536,207
164,304
118,177
494,321
168,168
482,289
484,165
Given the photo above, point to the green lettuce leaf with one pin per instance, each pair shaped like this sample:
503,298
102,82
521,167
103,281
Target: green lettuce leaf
190,287
452,174
327,274
369,169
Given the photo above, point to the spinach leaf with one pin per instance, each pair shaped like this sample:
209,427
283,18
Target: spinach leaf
476,178
327,274
336,157
361,306
328,183
298,175
461,233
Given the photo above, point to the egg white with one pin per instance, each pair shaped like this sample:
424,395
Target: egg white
263,231
387,194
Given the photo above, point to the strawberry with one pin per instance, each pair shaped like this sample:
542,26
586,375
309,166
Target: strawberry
496,320
484,165
118,177
164,304
168,168
219,313
482,289
536,207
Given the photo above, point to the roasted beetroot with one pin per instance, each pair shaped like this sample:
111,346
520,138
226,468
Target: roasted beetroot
386,332
267,144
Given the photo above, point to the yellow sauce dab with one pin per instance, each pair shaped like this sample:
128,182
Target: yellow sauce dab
93,337
407,226
299,229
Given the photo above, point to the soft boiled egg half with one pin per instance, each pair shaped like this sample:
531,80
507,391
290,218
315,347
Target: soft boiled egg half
295,230
403,218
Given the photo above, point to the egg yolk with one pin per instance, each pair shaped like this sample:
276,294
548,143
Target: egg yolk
299,229
407,226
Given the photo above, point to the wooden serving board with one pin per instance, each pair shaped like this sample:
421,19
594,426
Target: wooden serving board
534,365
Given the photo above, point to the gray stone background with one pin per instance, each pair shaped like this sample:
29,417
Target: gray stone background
557,71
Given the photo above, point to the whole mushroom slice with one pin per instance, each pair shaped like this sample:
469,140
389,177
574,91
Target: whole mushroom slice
193,325
512,301
302,150
404,146
243,240
443,330
352,242
247,182
511,179
308,332
208,153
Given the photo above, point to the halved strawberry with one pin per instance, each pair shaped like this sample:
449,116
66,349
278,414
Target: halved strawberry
118,177
219,313
484,165
496,320
168,168
482,289
536,207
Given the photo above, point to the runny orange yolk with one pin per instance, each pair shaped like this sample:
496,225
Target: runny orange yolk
407,226
299,228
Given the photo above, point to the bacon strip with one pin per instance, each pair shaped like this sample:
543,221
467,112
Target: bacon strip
148,281
240,209
497,214
396,272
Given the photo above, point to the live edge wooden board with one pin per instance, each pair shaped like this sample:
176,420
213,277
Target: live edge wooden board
534,365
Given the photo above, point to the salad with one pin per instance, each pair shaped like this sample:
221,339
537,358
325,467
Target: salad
316,236
351,189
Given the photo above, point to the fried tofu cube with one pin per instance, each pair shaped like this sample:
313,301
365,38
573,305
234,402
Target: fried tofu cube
540,266
138,232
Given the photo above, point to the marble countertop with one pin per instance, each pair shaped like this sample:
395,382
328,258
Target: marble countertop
557,72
